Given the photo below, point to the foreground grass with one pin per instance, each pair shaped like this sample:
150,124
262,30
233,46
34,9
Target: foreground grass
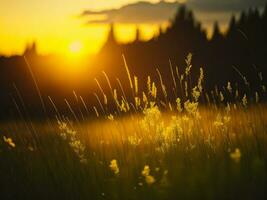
149,145
214,154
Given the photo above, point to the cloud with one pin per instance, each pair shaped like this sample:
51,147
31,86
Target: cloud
224,5
139,12
147,12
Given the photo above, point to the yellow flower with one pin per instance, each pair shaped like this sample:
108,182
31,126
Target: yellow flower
236,155
111,117
191,107
179,106
196,93
146,170
137,101
10,142
114,166
150,179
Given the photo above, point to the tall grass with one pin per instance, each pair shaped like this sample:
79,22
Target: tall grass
198,145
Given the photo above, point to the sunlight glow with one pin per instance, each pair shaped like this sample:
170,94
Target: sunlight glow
75,47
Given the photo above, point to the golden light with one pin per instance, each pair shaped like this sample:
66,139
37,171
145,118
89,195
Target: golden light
75,47
75,55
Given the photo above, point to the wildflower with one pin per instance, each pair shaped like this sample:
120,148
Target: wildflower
148,178
179,106
111,117
146,170
196,93
218,123
30,148
134,140
191,107
173,132
236,155
137,101
226,119
152,118
114,166
123,106
221,122
185,118
9,141
71,136
188,64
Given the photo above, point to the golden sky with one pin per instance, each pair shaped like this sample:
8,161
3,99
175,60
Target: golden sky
57,25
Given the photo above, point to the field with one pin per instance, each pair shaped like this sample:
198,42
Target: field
156,150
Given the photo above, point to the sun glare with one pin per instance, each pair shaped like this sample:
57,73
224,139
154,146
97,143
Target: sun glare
75,47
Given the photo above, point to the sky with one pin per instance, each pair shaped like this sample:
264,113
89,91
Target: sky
81,26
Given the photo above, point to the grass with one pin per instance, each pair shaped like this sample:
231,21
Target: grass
158,150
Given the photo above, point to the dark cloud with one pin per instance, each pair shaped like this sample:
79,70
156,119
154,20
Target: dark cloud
139,12
224,5
146,12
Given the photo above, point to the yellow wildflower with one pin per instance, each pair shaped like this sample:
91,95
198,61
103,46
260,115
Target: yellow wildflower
236,155
146,170
111,117
150,179
114,166
179,106
10,142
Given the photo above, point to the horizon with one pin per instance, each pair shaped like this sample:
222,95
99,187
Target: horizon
71,34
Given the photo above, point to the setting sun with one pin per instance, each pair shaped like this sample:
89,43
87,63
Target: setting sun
75,47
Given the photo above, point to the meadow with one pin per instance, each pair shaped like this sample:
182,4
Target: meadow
201,145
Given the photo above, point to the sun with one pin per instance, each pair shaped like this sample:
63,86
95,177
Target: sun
75,47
